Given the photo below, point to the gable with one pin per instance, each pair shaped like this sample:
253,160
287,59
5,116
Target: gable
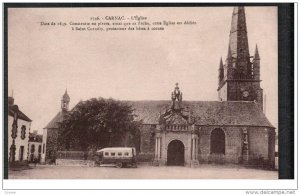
176,119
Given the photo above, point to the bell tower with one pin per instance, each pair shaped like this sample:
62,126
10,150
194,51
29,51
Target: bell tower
65,100
239,76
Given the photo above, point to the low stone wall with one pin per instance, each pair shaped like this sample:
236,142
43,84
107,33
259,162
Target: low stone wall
76,155
145,157
71,162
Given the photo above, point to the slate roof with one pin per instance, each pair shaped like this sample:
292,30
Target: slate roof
54,123
206,112
14,108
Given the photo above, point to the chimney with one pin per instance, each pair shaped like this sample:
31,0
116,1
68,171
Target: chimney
10,101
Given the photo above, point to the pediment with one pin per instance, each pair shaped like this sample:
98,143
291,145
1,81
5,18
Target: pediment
176,119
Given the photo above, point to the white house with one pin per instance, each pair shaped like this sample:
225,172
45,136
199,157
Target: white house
18,133
35,147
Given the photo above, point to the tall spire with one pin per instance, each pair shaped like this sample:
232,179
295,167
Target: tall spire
238,33
256,54
238,43
66,96
221,64
221,71
241,80
229,54
256,65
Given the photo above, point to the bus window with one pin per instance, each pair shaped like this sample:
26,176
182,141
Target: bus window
126,154
106,154
119,153
112,154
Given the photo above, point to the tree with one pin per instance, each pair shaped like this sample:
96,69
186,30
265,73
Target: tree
98,123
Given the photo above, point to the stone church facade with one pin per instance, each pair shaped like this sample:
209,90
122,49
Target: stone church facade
235,132
233,129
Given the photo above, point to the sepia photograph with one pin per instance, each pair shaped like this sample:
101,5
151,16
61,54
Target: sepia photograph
114,92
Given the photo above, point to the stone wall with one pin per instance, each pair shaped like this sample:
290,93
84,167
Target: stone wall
233,145
261,145
70,162
235,91
44,146
51,145
147,146
222,93
271,147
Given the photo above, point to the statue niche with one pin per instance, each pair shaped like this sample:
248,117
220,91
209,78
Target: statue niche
176,118
176,97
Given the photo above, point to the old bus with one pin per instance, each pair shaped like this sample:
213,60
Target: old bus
120,157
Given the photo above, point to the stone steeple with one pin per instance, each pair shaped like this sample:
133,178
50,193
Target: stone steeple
238,44
221,71
65,100
256,65
238,34
256,54
241,80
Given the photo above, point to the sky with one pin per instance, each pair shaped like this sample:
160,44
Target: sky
44,61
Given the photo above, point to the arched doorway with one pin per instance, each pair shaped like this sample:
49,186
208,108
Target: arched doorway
217,142
175,153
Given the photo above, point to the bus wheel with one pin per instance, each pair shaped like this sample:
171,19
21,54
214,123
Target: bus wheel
119,165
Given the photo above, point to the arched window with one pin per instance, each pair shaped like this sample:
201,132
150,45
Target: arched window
217,142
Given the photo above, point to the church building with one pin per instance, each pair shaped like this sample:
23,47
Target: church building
232,130
50,132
